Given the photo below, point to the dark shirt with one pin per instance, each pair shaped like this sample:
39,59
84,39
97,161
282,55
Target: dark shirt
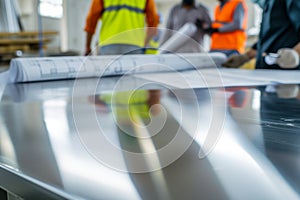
280,28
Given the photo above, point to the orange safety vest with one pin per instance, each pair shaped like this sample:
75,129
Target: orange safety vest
235,40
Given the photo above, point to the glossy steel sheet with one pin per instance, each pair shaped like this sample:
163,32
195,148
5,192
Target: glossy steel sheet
128,140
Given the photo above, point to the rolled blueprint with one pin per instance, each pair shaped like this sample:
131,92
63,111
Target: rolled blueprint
179,38
54,68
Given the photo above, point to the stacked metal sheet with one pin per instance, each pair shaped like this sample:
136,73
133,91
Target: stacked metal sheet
9,16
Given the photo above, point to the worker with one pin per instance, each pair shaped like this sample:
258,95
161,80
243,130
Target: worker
228,30
123,23
187,12
279,33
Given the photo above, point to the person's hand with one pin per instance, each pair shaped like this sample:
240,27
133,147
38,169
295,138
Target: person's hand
287,58
199,23
87,51
211,30
236,61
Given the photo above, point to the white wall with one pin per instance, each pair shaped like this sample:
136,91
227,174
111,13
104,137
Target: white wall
73,24
29,17
71,35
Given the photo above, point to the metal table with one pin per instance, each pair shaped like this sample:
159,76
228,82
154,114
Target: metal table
131,140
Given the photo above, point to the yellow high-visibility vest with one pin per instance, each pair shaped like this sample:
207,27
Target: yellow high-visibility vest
123,22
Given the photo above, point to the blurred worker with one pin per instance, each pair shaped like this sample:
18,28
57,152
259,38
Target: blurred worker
279,34
122,28
228,30
187,12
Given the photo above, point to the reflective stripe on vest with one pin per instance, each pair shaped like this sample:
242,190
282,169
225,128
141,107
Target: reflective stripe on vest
235,40
123,22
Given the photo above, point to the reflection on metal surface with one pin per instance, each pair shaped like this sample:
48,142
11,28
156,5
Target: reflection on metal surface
7,151
272,128
125,107
281,126
244,165
36,162
287,91
204,115
69,150
136,107
244,107
144,136
280,118
133,113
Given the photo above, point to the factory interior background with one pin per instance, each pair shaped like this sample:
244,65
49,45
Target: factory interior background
64,22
